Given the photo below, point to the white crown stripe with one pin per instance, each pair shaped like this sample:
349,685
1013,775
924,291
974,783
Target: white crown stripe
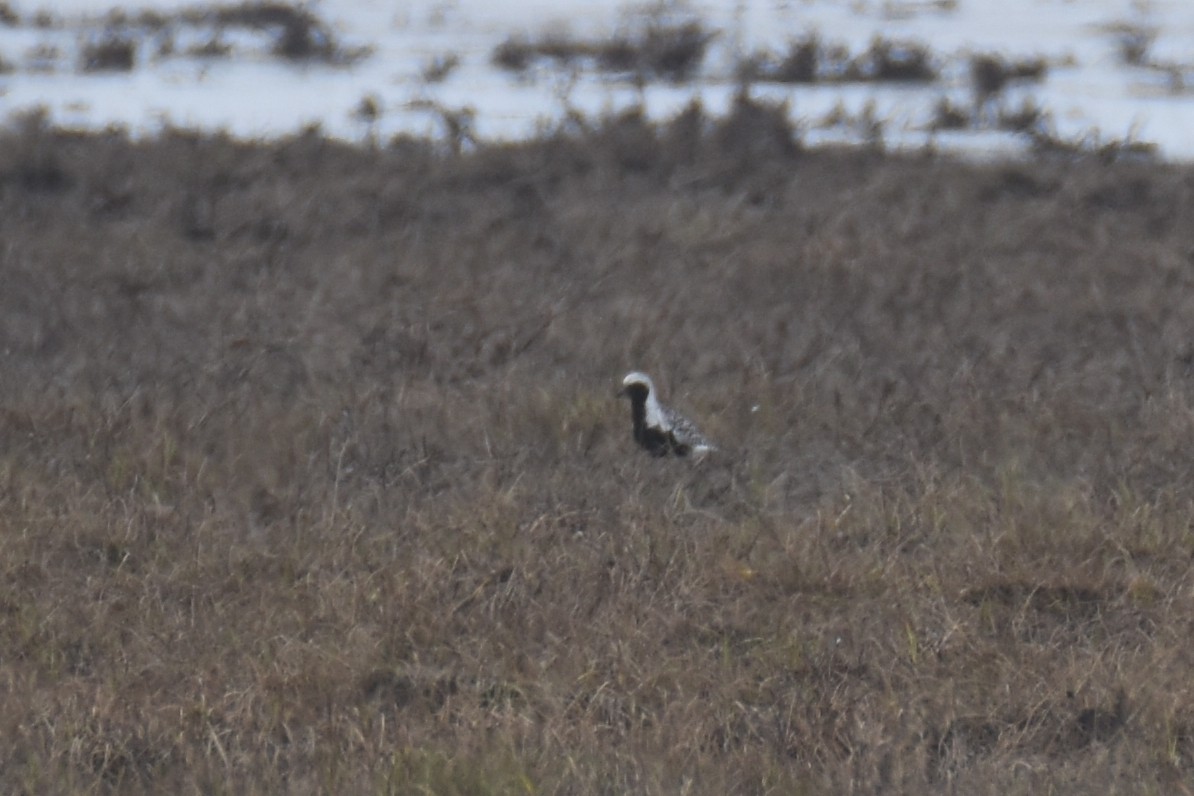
662,430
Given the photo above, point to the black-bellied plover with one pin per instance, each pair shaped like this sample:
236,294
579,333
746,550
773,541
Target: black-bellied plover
656,428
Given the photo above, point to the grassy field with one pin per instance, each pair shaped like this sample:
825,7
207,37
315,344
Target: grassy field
313,478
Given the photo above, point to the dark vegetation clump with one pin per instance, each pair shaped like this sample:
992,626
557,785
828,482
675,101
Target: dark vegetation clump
214,47
368,109
990,74
801,64
438,69
148,19
1135,43
111,53
753,129
514,54
902,62
289,32
313,477
298,34
809,60
302,39
948,115
1046,142
1027,117
656,46
671,52
42,58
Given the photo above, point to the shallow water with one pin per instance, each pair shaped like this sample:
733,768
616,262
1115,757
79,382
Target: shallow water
1089,92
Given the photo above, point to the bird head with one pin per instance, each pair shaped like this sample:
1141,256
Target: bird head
637,386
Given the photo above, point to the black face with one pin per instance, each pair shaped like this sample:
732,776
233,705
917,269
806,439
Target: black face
637,392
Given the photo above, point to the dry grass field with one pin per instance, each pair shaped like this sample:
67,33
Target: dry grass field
313,478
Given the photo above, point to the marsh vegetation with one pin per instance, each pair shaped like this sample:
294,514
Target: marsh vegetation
313,477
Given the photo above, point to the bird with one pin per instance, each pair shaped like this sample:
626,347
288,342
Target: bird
657,428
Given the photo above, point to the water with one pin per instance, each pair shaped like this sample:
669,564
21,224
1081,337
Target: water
1090,91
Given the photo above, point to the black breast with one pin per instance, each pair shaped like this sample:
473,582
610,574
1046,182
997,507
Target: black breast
655,440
